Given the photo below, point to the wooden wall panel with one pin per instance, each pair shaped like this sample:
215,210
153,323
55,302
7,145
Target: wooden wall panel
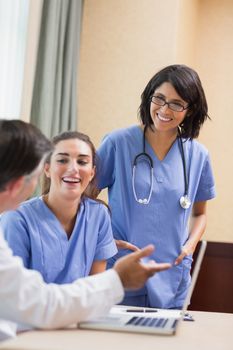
214,288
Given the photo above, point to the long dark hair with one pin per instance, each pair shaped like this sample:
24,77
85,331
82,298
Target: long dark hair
187,84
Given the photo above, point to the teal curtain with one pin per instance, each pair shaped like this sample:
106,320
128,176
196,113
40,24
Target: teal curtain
54,101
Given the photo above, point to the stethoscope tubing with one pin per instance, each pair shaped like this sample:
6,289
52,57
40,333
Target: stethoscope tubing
184,200
184,164
143,200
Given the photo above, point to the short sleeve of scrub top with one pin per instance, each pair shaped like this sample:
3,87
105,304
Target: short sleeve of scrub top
16,234
105,245
106,163
206,188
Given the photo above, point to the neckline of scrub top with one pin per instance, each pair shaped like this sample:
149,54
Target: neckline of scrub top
152,153
64,234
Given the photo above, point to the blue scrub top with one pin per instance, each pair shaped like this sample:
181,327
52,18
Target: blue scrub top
34,233
162,222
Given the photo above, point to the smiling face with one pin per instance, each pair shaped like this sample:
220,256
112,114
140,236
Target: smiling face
70,169
164,118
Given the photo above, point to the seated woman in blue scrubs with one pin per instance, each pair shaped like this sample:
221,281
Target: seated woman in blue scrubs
159,180
66,233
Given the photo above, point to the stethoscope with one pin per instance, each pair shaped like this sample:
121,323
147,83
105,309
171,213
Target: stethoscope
185,202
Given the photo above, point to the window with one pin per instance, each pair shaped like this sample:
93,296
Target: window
13,35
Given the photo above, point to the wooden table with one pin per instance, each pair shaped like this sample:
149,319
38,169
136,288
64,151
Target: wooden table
209,331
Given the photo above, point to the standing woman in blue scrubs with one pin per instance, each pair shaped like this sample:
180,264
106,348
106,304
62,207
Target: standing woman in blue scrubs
160,196
65,234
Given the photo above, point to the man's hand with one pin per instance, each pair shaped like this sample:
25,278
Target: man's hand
133,272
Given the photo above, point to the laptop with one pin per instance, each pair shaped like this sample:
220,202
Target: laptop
147,320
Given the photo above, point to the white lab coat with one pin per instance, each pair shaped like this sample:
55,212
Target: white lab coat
26,299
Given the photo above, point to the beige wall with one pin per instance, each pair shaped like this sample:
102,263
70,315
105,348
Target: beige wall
214,61
125,42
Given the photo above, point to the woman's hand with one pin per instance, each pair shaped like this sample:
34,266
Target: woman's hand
186,250
126,245
197,228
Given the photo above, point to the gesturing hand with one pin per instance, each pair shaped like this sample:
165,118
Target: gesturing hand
133,272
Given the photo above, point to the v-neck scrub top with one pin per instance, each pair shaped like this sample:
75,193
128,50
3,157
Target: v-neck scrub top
162,222
34,233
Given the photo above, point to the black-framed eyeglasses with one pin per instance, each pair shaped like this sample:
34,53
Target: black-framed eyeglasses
174,106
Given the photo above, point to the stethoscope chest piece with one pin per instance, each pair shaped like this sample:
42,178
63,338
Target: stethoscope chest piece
185,202
143,201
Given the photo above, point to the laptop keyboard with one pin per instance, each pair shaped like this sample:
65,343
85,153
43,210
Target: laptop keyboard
148,322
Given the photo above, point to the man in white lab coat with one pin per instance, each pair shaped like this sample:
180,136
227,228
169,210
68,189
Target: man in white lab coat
24,297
